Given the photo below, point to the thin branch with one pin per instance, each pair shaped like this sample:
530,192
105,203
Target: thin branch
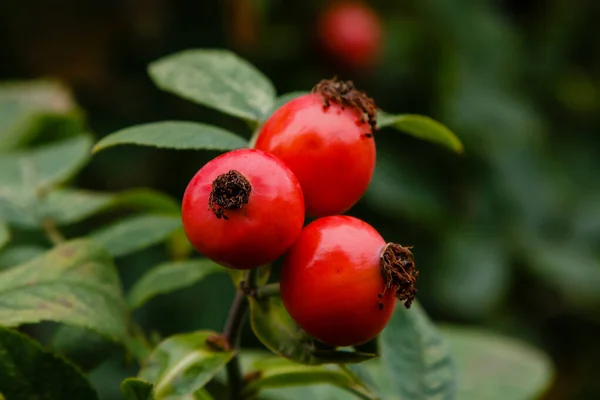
231,334
235,318
52,232
272,289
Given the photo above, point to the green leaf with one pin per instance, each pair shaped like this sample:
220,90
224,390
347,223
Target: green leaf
38,168
75,283
276,329
398,190
178,135
476,277
69,206
182,364
415,357
569,268
135,233
4,234
86,348
62,206
218,79
27,371
421,127
137,389
26,175
168,277
25,106
491,366
16,255
277,372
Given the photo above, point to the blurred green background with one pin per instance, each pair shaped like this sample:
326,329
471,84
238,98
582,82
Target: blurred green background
506,236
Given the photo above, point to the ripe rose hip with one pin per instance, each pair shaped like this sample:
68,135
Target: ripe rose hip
243,209
326,139
350,33
340,280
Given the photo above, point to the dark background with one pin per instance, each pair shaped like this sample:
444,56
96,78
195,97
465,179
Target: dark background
506,236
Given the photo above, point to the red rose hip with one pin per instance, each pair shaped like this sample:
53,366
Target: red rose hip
326,139
340,280
243,209
350,33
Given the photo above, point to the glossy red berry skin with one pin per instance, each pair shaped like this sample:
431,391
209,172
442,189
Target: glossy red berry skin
331,279
330,151
260,231
350,32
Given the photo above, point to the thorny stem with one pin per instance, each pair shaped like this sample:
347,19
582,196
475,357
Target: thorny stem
52,232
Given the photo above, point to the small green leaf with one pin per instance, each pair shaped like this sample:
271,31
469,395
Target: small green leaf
277,372
28,371
416,358
421,127
179,135
69,206
218,79
276,329
86,348
182,364
492,367
135,233
137,389
25,106
4,234
75,283
13,256
168,277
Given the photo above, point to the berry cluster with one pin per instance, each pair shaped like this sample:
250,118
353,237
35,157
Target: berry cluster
246,208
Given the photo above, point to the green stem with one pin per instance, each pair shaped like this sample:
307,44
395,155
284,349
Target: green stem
52,232
272,289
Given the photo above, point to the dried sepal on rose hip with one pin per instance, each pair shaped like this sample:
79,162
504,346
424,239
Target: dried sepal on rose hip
243,209
325,138
340,280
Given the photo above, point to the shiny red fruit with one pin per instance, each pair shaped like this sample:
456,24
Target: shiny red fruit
334,282
351,34
331,151
243,209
